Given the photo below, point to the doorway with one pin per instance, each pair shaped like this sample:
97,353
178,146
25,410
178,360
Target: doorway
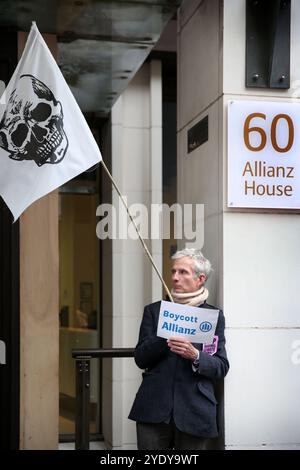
79,296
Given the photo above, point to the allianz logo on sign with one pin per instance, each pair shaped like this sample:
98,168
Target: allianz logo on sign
205,326
2,352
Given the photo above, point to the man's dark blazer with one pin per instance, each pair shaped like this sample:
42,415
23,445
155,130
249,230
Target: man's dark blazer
170,387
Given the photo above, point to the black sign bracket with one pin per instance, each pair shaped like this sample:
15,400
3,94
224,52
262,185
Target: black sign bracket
268,25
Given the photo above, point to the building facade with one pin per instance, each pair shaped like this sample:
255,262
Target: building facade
254,252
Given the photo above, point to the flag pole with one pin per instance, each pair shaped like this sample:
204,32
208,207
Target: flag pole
137,231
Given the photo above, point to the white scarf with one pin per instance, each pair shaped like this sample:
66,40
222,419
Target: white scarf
191,298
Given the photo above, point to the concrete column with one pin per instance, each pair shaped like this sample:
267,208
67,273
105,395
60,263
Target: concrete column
39,308
155,129
137,169
261,281
255,254
199,95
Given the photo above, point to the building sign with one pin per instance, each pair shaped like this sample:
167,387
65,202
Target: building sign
264,154
198,134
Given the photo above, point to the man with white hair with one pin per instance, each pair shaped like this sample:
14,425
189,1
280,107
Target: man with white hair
175,407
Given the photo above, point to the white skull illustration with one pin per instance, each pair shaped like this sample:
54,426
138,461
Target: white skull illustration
32,125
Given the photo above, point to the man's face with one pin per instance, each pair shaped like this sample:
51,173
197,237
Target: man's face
183,276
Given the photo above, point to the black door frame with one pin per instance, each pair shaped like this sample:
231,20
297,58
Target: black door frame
9,288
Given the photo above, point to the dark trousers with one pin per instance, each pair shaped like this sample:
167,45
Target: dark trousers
159,436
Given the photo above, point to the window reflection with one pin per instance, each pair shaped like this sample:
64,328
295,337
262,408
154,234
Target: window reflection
79,296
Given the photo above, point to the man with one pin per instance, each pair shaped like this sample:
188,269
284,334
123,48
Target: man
175,406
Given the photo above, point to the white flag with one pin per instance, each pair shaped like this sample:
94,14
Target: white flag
44,138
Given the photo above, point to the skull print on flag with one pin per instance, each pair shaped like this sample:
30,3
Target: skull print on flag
32,127
44,138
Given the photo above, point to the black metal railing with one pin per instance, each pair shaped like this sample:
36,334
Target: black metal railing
83,359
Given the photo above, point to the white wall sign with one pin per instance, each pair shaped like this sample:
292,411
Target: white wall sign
264,154
195,324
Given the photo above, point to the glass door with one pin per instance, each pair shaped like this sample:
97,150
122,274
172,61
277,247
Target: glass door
79,295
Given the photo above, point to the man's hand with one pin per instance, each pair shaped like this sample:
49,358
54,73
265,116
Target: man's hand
183,347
